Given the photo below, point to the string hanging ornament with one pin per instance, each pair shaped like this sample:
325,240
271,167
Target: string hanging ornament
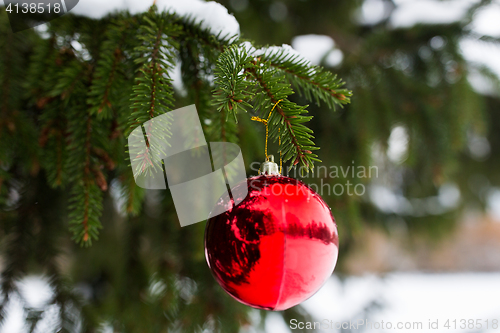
266,122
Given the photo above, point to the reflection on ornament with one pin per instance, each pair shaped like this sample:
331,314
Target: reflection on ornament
276,248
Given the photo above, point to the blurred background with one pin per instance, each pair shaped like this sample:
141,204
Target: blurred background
421,242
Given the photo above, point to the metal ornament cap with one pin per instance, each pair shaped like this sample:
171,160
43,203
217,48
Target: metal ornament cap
269,168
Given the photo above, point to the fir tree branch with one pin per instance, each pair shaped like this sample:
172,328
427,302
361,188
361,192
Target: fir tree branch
293,145
264,77
231,87
86,136
152,93
287,120
108,67
52,140
86,180
86,195
313,82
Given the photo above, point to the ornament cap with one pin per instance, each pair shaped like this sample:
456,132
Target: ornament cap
269,168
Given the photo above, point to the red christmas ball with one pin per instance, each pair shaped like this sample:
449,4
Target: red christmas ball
276,248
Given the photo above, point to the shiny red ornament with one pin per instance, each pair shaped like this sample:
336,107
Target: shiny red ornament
276,248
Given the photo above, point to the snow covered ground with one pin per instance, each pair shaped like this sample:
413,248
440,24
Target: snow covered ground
397,298
405,298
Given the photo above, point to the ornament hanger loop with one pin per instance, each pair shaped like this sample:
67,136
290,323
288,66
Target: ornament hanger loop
266,122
